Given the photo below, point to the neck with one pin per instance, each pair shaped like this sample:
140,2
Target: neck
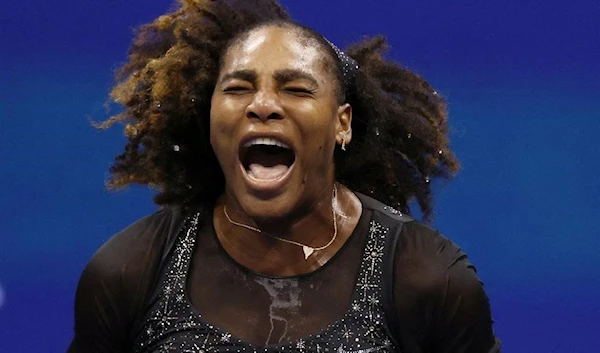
305,224
267,255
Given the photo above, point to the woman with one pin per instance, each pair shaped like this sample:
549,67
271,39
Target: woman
263,140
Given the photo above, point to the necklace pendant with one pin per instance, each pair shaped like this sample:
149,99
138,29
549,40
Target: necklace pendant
307,251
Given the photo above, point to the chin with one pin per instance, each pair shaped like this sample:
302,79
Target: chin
261,209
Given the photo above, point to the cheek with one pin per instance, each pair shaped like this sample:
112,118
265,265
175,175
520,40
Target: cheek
224,114
222,124
319,131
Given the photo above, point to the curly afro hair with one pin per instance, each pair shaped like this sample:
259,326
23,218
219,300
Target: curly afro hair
400,128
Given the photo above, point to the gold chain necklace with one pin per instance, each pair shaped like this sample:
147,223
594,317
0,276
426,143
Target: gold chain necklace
308,250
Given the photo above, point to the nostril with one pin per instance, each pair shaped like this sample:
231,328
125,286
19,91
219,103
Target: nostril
274,116
253,115
266,116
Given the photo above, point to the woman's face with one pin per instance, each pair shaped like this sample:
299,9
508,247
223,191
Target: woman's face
274,123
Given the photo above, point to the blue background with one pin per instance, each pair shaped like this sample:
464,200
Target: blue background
522,79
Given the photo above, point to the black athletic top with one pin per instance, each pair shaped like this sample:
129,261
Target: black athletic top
165,284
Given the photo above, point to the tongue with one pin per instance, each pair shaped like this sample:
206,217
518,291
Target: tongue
259,171
268,162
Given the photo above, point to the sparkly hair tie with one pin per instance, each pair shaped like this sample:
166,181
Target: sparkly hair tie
349,66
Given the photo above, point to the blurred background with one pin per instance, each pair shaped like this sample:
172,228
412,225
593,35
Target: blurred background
522,79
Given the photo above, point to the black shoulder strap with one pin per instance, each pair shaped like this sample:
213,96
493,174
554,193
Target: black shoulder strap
389,305
172,226
180,216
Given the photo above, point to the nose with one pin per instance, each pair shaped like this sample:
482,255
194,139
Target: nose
265,106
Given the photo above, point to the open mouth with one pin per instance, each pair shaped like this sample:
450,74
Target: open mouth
266,158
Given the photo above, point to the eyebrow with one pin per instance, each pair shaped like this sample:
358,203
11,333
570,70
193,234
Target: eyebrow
281,76
288,75
244,75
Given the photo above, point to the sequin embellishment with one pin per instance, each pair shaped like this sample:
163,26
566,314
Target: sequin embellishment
174,326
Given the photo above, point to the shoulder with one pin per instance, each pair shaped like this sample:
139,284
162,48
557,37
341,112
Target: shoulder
423,256
114,284
124,267
438,297
134,243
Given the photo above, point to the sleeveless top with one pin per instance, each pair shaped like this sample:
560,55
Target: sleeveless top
172,324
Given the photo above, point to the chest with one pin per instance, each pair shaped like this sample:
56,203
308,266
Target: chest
228,310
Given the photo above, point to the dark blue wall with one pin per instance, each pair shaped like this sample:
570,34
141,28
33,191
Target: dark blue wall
523,84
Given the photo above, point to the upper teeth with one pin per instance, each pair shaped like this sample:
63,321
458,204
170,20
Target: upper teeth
265,141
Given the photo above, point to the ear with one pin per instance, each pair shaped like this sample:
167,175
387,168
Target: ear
344,124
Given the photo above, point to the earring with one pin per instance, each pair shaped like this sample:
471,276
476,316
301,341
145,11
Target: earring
343,144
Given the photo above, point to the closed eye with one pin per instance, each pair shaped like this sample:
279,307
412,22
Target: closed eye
236,89
298,90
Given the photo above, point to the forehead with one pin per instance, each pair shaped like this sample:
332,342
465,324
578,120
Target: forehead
274,48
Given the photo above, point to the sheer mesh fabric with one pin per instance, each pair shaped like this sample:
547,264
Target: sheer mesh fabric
439,303
265,310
